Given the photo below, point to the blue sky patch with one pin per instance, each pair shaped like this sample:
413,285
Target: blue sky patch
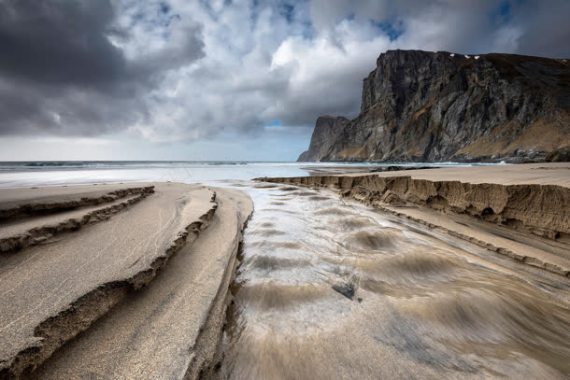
392,29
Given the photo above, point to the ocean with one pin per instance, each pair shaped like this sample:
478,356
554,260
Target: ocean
54,173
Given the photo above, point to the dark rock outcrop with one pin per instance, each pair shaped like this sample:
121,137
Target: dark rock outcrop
425,106
324,136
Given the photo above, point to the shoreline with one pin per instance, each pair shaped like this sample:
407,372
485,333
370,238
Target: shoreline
150,268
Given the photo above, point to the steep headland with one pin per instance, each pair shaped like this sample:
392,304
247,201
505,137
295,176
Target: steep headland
326,132
438,106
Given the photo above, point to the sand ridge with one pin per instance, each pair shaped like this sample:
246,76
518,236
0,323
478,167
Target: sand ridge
58,288
160,332
496,195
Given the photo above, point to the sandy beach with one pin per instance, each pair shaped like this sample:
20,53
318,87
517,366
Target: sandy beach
529,203
71,255
284,190
141,280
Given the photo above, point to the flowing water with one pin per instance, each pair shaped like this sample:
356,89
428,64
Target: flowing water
330,289
333,289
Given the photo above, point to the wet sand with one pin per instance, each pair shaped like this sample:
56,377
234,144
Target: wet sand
331,288
348,286
427,274
533,200
507,174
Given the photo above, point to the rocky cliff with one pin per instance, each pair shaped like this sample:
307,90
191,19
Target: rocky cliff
325,134
426,106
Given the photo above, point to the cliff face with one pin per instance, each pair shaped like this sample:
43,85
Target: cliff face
424,106
325,134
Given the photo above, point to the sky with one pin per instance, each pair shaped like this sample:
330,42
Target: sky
223,79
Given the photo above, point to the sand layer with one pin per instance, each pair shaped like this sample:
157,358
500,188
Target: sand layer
122,281
495,195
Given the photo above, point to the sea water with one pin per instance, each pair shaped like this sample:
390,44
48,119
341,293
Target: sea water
53,173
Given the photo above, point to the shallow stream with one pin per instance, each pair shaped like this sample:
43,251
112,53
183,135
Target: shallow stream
332,289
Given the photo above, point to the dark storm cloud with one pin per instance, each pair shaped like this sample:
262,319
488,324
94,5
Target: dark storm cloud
59,41
186,70
545,27
60,73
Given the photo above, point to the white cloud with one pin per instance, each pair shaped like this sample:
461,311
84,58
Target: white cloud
204,68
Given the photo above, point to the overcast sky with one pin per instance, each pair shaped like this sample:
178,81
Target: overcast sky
222,80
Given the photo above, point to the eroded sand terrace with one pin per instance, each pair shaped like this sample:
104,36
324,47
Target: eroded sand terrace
329,288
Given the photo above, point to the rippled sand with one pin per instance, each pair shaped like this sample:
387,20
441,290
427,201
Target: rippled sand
329,289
